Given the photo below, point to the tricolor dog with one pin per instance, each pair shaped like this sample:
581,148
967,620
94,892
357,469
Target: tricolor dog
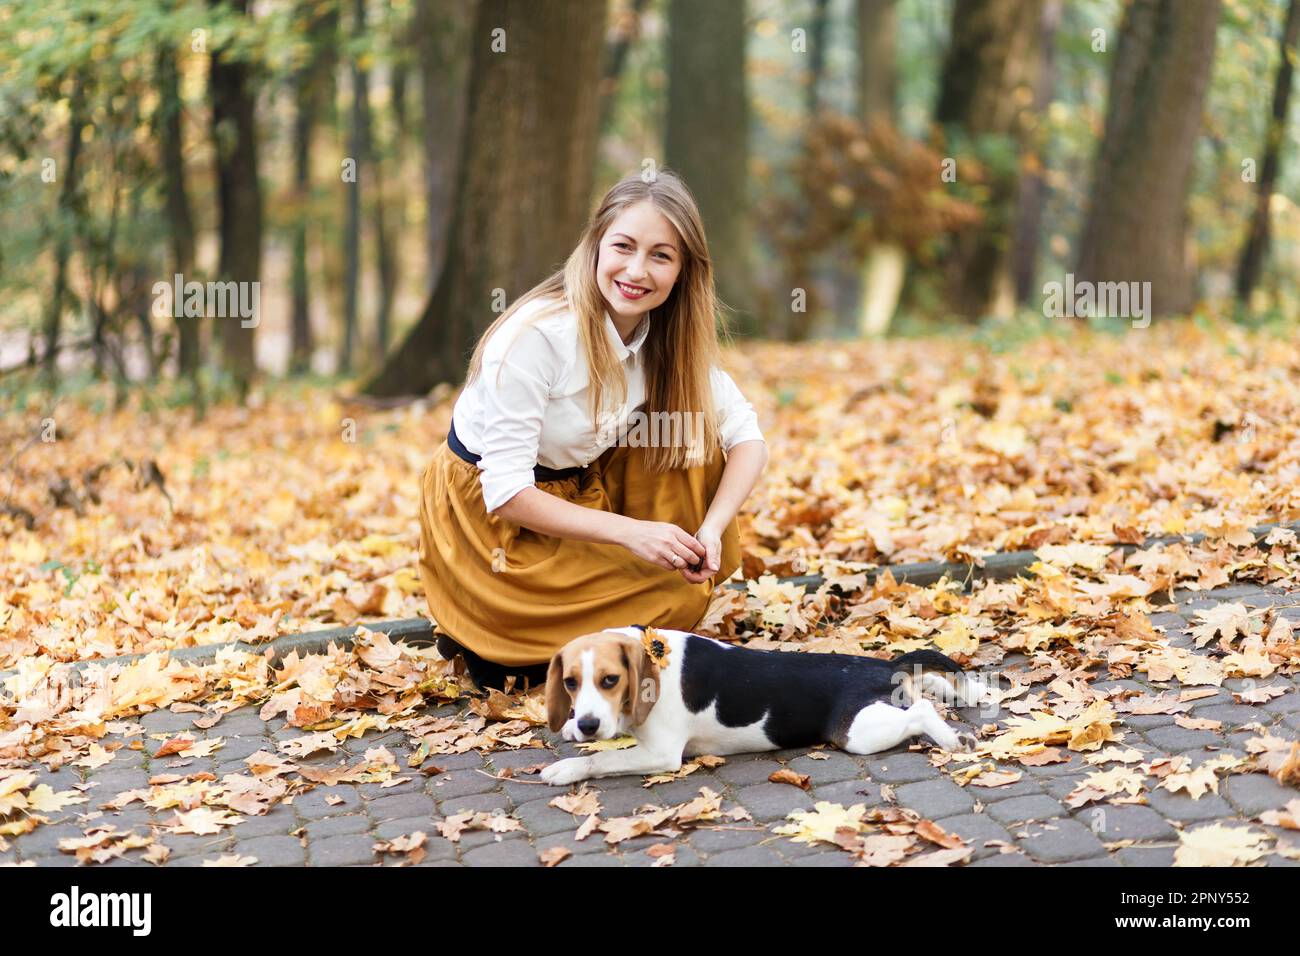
685,695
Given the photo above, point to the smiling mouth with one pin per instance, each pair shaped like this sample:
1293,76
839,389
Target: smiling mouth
631,291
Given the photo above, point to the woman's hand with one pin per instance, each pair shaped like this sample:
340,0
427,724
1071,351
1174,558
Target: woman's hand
711,538
664,544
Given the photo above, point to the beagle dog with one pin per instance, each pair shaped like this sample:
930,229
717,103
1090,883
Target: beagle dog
685,695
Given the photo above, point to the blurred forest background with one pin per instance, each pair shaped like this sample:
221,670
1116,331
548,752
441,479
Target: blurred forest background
387,168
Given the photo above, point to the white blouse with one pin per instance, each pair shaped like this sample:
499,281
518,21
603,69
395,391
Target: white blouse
537,412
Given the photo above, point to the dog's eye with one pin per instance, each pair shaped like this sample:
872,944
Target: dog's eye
570,684
610,680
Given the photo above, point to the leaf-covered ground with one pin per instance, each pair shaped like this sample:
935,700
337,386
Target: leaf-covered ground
299,514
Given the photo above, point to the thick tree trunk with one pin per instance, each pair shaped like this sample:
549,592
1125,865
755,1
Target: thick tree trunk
707,136
525,177
1033,186
1136,224
877,58
239,195
990,56
442,28
1255,254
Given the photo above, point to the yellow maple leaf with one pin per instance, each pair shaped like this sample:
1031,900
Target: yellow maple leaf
203,821
44,798
1090,557
822,821
96,756
956,638
1219,845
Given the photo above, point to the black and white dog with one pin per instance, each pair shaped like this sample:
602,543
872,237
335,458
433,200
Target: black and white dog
684,695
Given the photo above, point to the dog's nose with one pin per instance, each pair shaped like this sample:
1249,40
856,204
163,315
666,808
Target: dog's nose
587,726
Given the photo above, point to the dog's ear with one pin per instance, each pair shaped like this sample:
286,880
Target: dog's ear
558,701
642,682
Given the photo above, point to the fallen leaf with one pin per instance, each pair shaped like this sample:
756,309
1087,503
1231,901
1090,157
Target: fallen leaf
554,856
786,775
1219,845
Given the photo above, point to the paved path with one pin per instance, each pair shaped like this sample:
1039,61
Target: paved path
339,825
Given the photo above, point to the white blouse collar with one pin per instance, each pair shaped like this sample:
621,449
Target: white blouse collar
638,337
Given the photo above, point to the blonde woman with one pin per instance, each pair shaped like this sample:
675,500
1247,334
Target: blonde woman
598,454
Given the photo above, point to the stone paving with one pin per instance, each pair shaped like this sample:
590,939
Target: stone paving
339,825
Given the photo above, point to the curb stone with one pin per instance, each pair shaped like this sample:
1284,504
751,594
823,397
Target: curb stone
418,631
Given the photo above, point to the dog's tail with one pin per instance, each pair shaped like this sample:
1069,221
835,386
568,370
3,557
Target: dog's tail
940,675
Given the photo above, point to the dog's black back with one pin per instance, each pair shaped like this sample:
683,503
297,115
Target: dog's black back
808,698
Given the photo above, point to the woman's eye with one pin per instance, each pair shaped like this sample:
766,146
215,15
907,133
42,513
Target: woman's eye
621,245
570,684
609,681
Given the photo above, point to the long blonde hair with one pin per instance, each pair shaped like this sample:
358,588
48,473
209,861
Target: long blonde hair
686,332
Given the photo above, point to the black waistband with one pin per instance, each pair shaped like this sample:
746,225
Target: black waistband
540,472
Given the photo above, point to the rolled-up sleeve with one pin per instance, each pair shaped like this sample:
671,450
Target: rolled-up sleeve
517,382
737,421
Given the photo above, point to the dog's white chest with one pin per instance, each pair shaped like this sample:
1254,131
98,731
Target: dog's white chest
708,735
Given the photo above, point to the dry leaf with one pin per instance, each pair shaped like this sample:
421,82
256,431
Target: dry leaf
786,775
1219,845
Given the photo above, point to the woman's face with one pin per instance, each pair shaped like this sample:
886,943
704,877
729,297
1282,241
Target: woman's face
640,259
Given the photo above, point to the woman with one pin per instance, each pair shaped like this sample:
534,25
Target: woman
583,484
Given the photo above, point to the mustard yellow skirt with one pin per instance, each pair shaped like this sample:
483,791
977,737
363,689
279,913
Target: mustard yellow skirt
515,597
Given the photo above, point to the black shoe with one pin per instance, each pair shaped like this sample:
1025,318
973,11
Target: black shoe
488,673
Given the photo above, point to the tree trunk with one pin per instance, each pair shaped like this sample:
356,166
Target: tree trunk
385,258
525,177
239,198
442,27
1137,218
65,224
1255,254
882,284
1033,187
133,290
370,156
180,218
884,268
878,59
311,85
816,57
352,228
626,31
707,136
801,269
990,56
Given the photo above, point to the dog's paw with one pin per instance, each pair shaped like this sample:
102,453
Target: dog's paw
966,743
564,772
